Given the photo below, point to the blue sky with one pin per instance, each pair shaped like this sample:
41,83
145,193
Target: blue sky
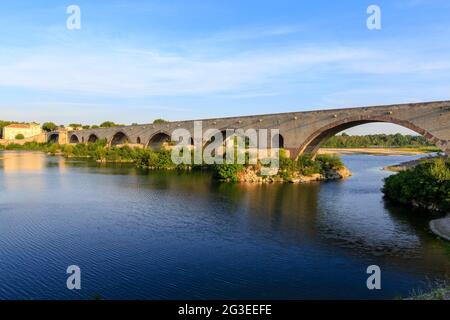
134,61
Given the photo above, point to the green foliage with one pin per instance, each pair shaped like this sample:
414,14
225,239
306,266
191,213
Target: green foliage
146,158
108,124
426,185
227,172
19,136
160,121
49,126
287,166
307,166
329,162
162,160
376,140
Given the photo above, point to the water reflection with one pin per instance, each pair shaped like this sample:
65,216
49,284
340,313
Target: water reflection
185,236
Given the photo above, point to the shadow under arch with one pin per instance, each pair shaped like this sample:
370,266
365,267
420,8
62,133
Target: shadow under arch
53,138
74,139
92,138
119,138
313,142
278,137
159,140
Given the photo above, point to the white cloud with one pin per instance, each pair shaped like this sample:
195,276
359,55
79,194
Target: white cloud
112,71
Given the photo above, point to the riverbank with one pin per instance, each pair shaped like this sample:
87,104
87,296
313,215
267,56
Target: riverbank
424,184
410,164
305,169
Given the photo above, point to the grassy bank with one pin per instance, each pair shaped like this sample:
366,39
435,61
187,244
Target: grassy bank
426,185
322,168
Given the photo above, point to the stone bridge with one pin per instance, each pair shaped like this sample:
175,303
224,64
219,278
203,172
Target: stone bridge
300,132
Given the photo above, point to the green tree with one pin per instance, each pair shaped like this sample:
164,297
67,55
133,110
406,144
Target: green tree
108,124
49,126
427,185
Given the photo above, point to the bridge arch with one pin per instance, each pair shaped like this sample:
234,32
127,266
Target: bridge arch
74,139
53,138
92,138
278,137
119,138
312,144
159,140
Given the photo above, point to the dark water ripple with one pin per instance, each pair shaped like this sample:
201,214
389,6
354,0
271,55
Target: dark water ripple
146,235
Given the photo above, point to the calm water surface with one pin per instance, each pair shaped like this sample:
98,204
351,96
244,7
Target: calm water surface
141,235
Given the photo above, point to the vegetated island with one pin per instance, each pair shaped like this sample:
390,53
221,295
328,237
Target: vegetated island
304,169
423,183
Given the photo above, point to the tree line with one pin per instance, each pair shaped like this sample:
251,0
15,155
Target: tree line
376,140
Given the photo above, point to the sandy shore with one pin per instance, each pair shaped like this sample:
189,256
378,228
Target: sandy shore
374,151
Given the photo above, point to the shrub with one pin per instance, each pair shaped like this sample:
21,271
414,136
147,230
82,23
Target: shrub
426,185
308,166
164,160
20,137
49,126
227,172
330,162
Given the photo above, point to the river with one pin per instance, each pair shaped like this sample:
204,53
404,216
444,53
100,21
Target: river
169,235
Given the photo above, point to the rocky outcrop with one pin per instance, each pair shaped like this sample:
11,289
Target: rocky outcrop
251,175
336,174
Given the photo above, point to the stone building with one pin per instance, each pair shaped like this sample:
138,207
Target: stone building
27,130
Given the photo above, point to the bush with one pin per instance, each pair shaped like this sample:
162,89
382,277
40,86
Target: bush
20,137
227,172
308,166
145,158
164,160
330,162
49,126
427,185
